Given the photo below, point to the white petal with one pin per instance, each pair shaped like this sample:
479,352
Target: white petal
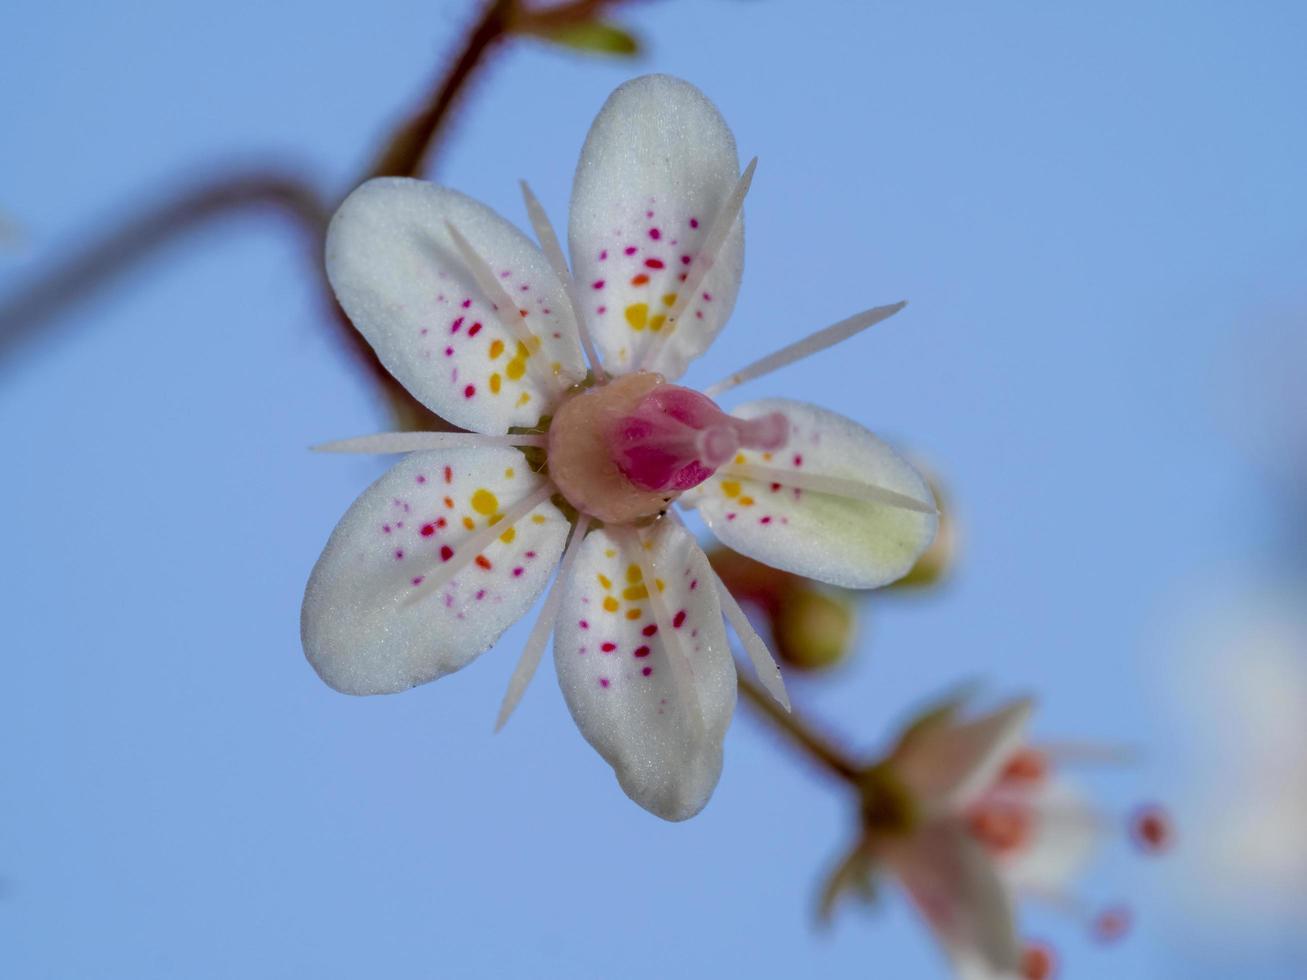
360,633
957,889
948,766
618,670
658,165
406,285
1065,834
863,522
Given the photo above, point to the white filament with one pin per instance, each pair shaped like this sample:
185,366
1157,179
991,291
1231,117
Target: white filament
506,311
704,260
544,625
764,665
554,253
836,486
806,347
477,543
409,442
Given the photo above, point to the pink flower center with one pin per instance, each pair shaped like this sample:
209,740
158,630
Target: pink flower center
676,438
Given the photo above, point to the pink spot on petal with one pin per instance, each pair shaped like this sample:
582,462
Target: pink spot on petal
655,234
629,250
421,478
647,671
694,222
603,682
456,325
583,624
417,580
597,284
466,303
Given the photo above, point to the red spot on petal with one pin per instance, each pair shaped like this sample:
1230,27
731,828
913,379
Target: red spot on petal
685,260
639,280
428,530
517,572
484,562
798,459
679,619
608,647
764,520
650,630
642,651
449,474
653,263
475,329
441,522
446,552
469,391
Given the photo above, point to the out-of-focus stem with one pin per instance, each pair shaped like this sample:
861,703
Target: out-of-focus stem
23,315
799,731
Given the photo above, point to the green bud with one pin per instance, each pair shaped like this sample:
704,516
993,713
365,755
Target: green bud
813,628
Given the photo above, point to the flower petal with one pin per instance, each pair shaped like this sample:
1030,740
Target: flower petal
957,889
866,534
360,631
402,278
1064,836
948,766
658,165
618,666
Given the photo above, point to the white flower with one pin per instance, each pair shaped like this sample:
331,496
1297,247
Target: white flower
447,549
991,820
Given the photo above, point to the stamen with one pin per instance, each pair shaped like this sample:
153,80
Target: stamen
506,310
713,240
764,665
544,626
806,347
411,442
681,669
477,543
554,253
836,486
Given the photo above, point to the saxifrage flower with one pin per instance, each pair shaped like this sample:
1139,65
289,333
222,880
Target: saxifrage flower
576,467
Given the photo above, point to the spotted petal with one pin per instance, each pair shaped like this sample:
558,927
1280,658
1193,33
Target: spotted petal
372,623
867,533
657,167
412,292
646,671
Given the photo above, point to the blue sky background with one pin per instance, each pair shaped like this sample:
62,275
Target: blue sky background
1092,208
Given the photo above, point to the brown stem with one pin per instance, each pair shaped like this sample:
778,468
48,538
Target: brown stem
97,264
799,731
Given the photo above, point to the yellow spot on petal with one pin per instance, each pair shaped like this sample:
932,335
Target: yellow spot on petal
656,322
484,502
508,473
605,581
537,518
637,315
739,459
470,524
556,367
609,552
523,351
523,398
508,536
496,348
669,299
634,592
516,368
611,604
766,457
633,573
746,501
495,382
659,582
730,488
635,613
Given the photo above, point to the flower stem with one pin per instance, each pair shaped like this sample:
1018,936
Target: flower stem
799,730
